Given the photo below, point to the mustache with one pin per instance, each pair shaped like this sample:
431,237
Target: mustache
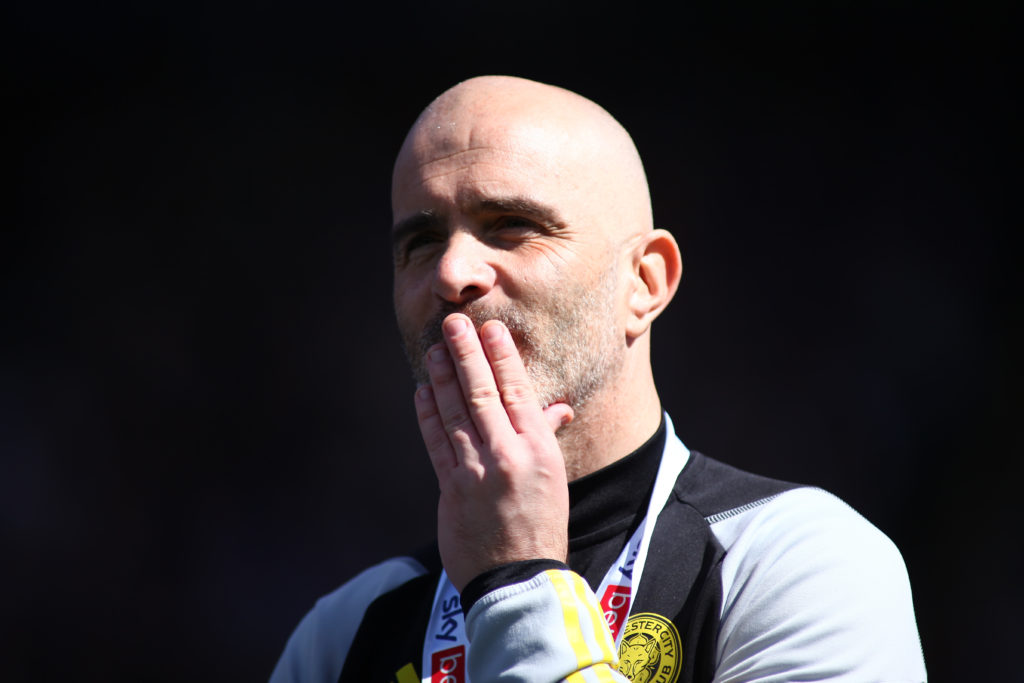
478,314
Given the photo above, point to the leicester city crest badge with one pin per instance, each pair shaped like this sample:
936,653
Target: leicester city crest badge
650,651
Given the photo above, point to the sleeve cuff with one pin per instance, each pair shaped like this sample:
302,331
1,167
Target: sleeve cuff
504,575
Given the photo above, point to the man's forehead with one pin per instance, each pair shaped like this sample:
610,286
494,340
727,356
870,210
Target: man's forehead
454,144
469,176
471,169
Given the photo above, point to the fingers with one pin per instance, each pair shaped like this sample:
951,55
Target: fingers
435,438
450,418
477,378
517,395
479,395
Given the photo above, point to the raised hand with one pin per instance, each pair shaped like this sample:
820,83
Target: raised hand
504,495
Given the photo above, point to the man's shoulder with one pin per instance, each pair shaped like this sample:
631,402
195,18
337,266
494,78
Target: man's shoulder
814,583
320,643
806,581
357,593
795,518
715,489
736,503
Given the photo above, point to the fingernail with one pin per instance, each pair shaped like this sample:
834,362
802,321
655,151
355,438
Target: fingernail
455,326
493,332
423,392
437,354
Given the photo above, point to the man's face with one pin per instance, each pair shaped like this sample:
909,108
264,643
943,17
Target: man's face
493,224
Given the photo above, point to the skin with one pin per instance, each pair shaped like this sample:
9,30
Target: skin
527,275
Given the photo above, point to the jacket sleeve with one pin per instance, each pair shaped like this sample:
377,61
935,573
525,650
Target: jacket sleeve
548,628
812,591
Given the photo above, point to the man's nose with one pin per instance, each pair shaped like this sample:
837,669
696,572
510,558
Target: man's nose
464,271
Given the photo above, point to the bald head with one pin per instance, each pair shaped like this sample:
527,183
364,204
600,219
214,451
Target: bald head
560,137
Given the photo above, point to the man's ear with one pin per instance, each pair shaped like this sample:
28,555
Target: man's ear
657,269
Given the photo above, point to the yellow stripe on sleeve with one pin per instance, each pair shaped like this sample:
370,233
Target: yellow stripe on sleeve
601,633
570,616
604,673
601,672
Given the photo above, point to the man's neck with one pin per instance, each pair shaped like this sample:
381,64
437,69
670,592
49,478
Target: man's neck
609,427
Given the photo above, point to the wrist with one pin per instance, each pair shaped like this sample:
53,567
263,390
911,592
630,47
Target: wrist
504,575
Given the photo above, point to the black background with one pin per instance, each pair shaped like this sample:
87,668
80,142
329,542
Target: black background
205,415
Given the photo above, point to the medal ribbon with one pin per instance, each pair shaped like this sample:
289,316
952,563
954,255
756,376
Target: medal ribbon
446,646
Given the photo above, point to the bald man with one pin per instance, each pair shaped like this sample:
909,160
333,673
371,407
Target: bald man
578,538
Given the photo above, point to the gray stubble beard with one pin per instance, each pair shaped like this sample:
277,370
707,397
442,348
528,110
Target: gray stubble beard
570,362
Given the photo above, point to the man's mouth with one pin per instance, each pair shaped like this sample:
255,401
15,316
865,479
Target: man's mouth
478,315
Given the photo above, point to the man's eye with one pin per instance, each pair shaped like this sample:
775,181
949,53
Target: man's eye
422,239
515,224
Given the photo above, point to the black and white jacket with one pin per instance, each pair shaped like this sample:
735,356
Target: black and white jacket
746,579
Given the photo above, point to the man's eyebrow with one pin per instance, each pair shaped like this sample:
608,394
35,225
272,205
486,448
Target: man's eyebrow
429,220
418,222
523,207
